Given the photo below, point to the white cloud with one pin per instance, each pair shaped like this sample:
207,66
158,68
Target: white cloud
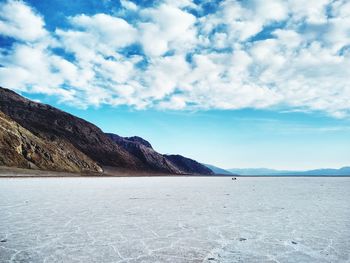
300,61
127,4
313,11
274,10
164,76
167,28
104,32
20,21
35,70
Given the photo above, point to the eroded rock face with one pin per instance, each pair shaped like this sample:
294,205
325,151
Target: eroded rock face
139,140
53,124
188,165
143,150
21,148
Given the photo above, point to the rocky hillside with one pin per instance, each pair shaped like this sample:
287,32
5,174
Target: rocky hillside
188,166
56,140
144,152
54,125
20,148
218,170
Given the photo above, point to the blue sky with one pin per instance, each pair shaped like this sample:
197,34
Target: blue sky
231,83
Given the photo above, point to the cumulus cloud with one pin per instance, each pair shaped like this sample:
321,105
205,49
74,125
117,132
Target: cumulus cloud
32,69
19,20
289,55
166,27
101,33
128,5
111,31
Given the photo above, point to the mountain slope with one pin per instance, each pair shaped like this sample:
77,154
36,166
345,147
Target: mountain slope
74,144
20,148
188,165
139,140
144,152
53,124
218,170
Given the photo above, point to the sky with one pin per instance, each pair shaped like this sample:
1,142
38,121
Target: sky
231,83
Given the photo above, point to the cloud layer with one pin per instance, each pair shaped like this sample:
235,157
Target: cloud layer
286,55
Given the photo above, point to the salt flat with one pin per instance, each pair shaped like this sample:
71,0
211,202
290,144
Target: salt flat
175,219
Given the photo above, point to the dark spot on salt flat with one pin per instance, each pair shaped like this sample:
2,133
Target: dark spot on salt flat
242,239
211,258
293,242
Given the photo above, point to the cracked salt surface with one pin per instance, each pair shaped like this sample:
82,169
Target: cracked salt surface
175,219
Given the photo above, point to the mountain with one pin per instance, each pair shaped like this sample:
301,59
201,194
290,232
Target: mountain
188,165
345,171
21,148
143,150
55,125
218,170
70,143
139,140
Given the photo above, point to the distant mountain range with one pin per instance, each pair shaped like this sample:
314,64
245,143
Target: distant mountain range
39,136
344,171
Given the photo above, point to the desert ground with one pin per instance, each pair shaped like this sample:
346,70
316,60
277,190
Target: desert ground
174,219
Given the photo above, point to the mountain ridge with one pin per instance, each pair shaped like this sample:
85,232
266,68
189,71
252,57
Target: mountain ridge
218,170
144,151
188,165
56,127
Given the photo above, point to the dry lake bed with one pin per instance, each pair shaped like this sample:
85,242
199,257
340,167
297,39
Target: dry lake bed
175,219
